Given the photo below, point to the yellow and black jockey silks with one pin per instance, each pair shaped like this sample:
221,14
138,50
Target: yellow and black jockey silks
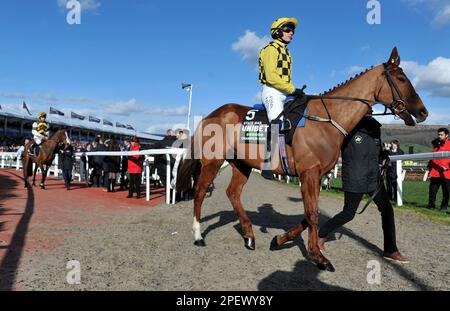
275,65
42,127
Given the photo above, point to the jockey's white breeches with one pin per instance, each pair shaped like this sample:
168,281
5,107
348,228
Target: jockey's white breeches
38,139
274,101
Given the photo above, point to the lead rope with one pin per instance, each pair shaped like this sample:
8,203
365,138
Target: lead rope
380,184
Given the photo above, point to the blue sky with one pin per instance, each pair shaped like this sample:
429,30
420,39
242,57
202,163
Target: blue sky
127,58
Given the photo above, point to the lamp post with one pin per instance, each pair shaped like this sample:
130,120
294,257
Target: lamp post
188,87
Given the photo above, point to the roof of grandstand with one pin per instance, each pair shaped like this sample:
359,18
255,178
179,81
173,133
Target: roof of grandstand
22,114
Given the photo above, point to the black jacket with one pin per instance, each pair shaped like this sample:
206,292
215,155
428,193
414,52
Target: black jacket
361,154
99,159
67,157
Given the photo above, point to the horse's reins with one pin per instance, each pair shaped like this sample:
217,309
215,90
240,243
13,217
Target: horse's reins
397,106
374,194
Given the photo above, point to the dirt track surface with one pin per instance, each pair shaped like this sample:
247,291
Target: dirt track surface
151,248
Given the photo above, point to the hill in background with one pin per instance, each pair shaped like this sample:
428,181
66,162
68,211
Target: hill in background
419,136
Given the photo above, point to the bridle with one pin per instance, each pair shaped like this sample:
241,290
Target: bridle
397,106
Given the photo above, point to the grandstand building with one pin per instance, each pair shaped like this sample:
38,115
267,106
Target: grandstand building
16,123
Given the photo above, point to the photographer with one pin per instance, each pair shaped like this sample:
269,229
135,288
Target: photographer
391,174
439,171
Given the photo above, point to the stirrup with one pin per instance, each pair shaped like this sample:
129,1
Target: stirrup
286,126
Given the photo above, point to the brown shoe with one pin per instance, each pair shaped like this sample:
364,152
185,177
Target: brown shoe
396,256
322,244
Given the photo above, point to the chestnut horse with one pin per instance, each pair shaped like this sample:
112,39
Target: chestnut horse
315,147
45,158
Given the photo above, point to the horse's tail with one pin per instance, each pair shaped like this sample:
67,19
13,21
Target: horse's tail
188,169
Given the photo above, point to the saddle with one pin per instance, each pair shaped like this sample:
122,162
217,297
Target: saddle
255,125
256,128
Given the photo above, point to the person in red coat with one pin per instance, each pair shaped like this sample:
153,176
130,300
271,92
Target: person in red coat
135,169
440,171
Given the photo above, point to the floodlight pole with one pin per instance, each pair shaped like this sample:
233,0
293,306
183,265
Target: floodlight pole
189,108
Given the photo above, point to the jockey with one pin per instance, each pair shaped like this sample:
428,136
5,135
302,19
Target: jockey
275,70
275,76
40,133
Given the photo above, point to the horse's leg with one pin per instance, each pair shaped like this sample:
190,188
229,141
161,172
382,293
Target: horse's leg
310,193
34,174
25,170
290,235
240,176
207,173
44,175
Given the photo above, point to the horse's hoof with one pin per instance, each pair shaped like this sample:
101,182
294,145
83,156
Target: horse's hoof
326,267
200,243
249,243
274,244
43,187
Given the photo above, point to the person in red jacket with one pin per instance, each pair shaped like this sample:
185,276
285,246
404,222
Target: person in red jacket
135,169
440,171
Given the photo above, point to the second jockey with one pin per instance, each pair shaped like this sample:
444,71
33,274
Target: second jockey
40,133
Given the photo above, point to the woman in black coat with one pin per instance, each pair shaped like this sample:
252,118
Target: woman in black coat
112,165
67,160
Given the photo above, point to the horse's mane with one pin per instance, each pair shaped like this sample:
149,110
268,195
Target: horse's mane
337,86
57,134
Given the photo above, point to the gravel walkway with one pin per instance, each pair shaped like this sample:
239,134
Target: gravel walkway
154,250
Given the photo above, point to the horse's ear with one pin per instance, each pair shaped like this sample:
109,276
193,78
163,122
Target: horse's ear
394,59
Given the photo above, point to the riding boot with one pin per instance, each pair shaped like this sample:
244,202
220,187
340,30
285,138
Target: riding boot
108,185
266,171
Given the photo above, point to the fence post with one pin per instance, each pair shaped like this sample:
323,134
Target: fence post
147,178
399,169
18,164
168,186
55,172
425,175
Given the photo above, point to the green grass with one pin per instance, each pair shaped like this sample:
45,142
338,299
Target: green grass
415,199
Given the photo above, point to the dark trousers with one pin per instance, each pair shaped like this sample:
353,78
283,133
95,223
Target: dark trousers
123,180
351,203
67,175
135,184
435,183
95,176
392,189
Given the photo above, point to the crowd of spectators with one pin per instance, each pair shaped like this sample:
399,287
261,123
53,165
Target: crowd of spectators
105,171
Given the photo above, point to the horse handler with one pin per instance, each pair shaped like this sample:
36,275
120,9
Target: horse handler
361,158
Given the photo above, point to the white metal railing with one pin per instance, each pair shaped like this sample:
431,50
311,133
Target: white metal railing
418,156
7,159
177,152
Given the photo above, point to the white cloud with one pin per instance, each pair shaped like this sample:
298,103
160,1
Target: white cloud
123,108
440,9
162,127
353,70
132,107
257,98
433,78
37,96
443,16
249,45
87,5
177,111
